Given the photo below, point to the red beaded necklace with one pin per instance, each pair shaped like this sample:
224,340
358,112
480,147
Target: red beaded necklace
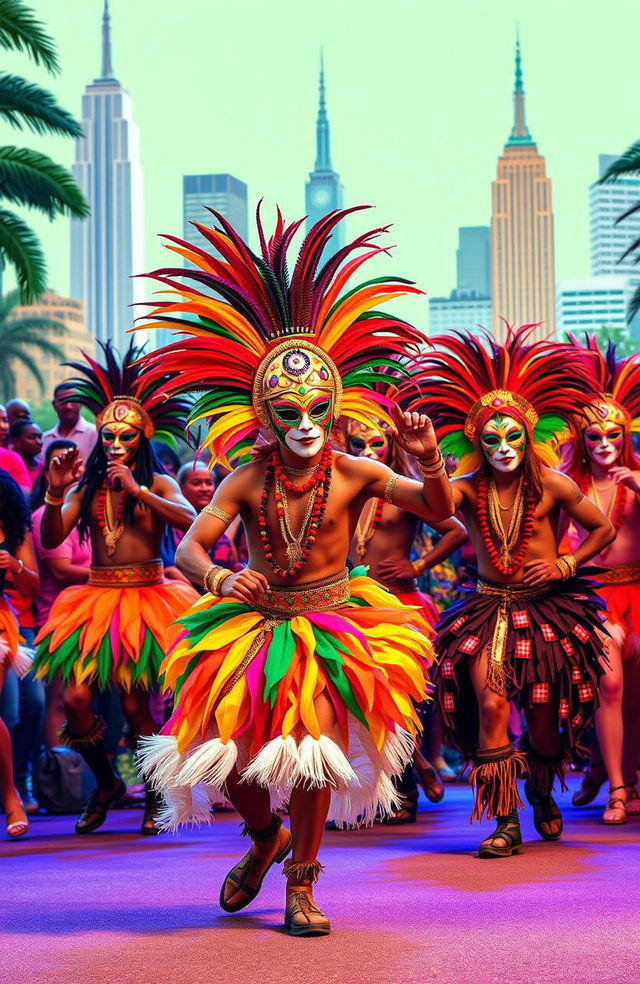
320,481
526,529
110,531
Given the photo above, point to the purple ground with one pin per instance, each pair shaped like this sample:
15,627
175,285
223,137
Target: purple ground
408,904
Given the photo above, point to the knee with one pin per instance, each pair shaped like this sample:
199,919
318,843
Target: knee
611,688
77,699
494,710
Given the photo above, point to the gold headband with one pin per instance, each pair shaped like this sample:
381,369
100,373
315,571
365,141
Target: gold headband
499,401
126,410
613,413
281,372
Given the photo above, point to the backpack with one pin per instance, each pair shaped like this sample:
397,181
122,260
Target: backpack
62,780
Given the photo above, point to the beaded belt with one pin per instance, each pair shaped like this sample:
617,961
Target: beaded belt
510,592
621,574
315,596
128,575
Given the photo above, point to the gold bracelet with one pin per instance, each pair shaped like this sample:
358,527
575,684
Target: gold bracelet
572,562
218,578
208,574
218,513
53,500
434,470
387,495
141,491
564,568
419,566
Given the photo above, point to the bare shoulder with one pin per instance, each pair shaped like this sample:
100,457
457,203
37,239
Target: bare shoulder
241,481
364,470
560,486
164,483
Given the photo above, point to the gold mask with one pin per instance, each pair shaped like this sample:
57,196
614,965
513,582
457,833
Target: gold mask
294,368
126,410
367,442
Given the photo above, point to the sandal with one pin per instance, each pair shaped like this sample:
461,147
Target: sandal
429,779
406,812
620,810
508,831
545,810
95,812
17,828
302,917
632,805
588,788
246,869
444,770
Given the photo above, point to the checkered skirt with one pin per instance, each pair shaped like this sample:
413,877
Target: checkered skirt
554,656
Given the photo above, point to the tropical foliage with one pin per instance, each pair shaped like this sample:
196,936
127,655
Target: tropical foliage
23,337
628,165
29,178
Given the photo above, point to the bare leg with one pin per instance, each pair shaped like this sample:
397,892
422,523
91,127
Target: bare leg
493,708
17,823
135,706
609,725
54,713
547,760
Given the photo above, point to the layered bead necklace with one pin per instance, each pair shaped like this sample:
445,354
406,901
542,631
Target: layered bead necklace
297,545
513,542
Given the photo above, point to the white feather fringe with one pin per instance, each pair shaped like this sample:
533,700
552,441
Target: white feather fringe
21,662
158,760
183,805
209,763
277,764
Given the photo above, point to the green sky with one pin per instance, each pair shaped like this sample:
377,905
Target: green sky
419,97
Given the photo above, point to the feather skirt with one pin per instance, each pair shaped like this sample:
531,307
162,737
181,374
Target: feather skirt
11,652
247,687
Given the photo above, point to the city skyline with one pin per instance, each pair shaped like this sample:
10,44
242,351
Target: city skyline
418,121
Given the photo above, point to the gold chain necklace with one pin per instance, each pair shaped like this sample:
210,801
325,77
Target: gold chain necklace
509,538
293,542
112,530
598,501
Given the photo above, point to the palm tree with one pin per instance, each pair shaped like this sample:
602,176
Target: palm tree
22,337
27,177
627,165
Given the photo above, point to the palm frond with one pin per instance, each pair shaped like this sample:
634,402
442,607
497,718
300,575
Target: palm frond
635,245
31,365
20,247
21,31
630,211
634,305
30,178
627,164
23,102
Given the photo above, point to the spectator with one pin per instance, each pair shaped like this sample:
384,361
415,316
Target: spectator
65,565
71,425
17,410
167,457
4,426
26,438
197,486
15,466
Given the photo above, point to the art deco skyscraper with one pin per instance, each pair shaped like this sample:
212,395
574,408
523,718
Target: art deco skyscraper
323,191
108,248
522,262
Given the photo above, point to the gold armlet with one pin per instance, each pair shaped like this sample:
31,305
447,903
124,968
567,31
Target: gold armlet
432,469
53,500
387,495
218,513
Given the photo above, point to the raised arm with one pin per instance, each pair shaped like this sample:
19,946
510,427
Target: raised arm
431,501
192,553
61,511
453,536
165,499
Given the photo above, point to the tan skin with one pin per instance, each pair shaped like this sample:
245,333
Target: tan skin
354,481
139,543
617,716
27,581
539,568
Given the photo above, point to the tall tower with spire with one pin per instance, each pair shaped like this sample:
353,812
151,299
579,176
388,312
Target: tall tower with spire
107,249
522,260
323,190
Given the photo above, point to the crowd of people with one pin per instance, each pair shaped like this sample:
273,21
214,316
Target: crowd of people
377,554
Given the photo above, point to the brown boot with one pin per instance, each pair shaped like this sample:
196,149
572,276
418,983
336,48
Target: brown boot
302,916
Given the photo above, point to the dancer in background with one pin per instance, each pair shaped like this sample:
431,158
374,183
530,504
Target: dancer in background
530,632
606,468
295,681
115,628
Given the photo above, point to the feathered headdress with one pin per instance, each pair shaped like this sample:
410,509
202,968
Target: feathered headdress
466,379
115,391
254,332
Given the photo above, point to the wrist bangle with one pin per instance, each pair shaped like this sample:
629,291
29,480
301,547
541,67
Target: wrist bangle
418,566
216,581
567,565
432,469
53,500
20,567
208,574
141,490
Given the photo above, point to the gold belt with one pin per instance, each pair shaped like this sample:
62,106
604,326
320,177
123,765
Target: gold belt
128,575
315,596
497,670
621,574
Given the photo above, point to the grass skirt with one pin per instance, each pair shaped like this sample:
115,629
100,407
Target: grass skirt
246,682
119,634
11,652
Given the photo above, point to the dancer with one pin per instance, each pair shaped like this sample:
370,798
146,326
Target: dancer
383,540
295,681
606,468
17,556
115,628
530,631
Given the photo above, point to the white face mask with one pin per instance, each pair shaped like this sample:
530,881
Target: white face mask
603,443
305,440
503,441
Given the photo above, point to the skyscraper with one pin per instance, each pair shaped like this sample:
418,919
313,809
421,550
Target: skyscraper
607,202
473,261
323,192
108,247
522,262
223,192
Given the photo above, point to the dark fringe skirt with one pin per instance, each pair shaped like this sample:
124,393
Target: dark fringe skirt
550,641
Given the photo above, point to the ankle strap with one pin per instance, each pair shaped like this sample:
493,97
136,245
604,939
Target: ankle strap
300,872
267,833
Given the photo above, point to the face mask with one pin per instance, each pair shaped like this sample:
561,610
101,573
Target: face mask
366,442
503,441
603,443
120,442
303,423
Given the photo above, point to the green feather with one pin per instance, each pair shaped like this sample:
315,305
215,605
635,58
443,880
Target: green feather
549,428
279,656
332,663
456,444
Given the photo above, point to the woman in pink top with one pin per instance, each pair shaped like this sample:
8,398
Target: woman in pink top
60,567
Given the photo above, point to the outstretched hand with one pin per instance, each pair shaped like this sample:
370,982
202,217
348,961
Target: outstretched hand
414,433
64,469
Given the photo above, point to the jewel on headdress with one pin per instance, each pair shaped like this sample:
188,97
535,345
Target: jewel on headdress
296,363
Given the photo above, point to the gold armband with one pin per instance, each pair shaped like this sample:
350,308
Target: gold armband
218,513
387,495
53,500
432,469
